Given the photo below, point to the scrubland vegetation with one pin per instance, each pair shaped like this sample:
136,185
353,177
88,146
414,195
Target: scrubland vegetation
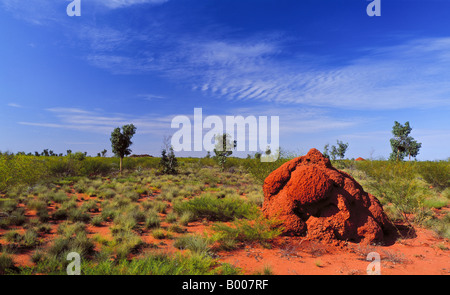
145,222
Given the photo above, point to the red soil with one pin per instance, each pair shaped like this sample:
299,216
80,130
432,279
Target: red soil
423,255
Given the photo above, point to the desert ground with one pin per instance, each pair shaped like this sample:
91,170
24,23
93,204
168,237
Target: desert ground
201,221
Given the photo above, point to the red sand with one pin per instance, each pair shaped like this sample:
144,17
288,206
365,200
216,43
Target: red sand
422,255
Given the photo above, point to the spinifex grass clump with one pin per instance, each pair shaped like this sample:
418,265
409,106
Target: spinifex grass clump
260,230
216,209
195,243
161,264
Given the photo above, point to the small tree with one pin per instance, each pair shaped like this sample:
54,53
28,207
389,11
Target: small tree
121,141
168,161
223,149
336,151
402,144
341,149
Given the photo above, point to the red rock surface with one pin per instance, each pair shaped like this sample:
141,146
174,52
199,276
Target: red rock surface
314,199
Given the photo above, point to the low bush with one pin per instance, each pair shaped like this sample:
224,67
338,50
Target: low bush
152,219
195,243
6,263
161,264
260,230
216,209
437,174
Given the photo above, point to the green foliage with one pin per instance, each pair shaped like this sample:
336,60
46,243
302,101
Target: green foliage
260,170
436,174
336,151
223,149
6,263
20,169
168,163
195,243
121,141
260,230
216,209
160,264
402,144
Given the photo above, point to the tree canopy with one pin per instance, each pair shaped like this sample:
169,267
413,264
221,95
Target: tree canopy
121,141
402,144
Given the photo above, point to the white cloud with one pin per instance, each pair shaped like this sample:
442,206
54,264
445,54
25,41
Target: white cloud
14,105
114,4
104,123
410,75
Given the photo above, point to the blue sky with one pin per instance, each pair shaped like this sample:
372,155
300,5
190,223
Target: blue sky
325,67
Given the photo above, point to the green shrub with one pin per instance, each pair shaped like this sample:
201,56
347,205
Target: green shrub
260,230
125,243
78,214
160,206
186,217
79,243
152,219
436,174
36,205
13,236
195,243
171,217
440,226
58,197
161,264
30,238
19,169
107,193
216,209
159,234
17,217
6,263
95,166
97,220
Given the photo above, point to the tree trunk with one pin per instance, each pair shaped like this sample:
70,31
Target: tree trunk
121,160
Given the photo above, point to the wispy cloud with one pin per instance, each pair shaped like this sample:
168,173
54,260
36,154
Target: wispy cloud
410,75
301,120
104,123
114,4
151,97
41,12
14,105
413,74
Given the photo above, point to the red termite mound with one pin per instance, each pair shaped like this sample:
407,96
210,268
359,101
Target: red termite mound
360,159
314,199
